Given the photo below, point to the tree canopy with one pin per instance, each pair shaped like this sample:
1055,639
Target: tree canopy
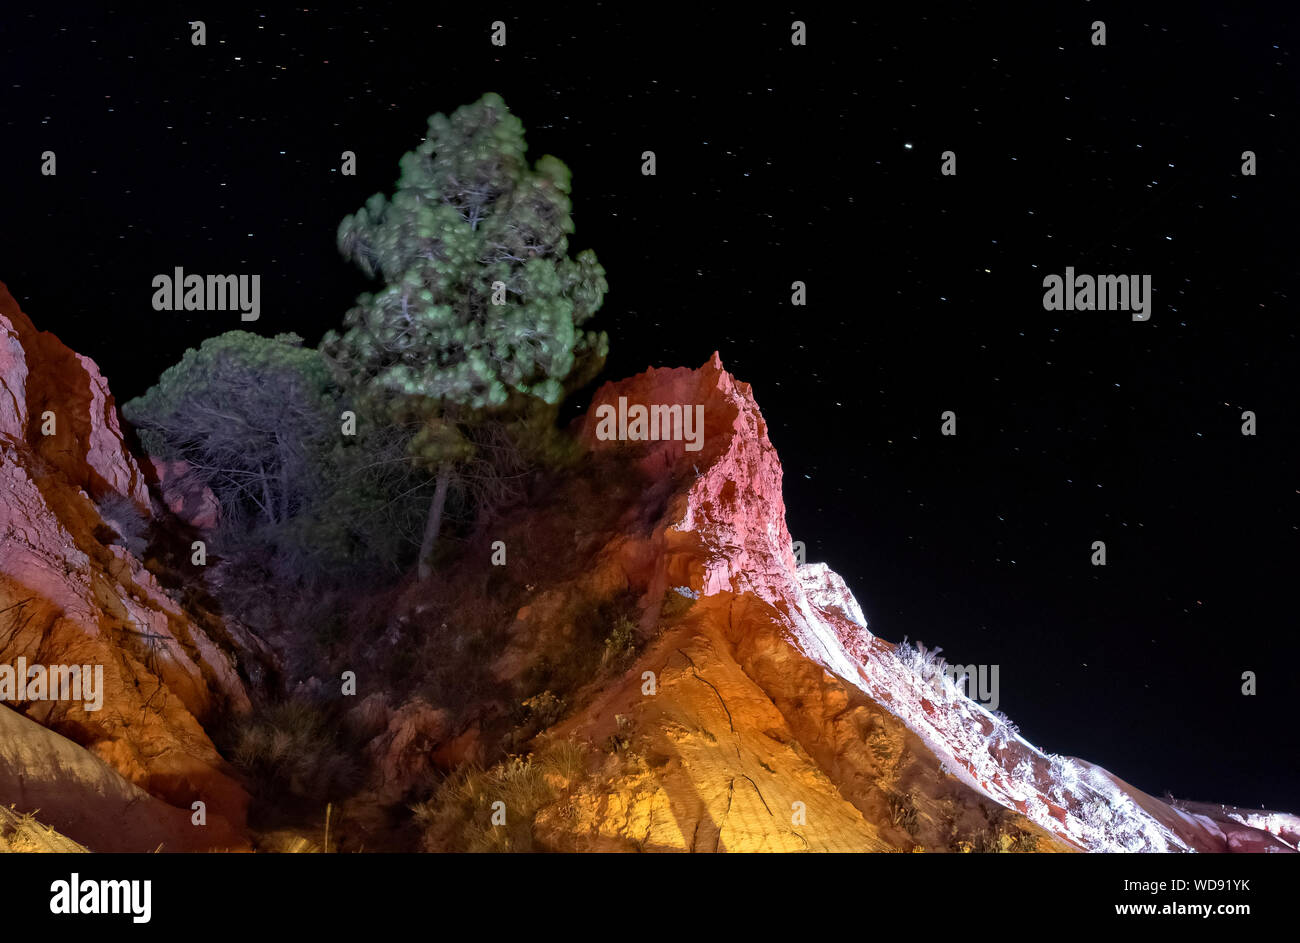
250,413
481,308
469,213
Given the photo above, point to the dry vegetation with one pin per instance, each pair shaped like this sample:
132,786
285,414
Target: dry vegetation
493,810
21,832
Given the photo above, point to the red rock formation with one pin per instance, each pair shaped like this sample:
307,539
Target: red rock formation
184,494
41,375
79,794
402,755
717,531
777,720
71,594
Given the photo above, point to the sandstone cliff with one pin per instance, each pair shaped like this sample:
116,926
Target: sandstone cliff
651,669
75,512
760,713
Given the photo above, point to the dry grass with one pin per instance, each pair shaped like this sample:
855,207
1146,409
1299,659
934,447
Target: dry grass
292,752
903,813
620,644
565,759
465,812
21,832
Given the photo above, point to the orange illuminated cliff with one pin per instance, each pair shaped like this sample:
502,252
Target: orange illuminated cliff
630,658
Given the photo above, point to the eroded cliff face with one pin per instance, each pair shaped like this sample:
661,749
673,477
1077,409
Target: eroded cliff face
758,734
713,694
74,510
761,713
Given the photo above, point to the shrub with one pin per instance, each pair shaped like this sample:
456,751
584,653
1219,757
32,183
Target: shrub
903,812
544,709
1024,842
250,413
620,643
292,752
566,759
459,815
258,419
565,672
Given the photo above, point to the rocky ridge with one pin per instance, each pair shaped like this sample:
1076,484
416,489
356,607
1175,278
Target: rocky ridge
742,703
75,508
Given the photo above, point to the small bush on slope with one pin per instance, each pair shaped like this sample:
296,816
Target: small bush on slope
903,813
292,752
459,815
620,644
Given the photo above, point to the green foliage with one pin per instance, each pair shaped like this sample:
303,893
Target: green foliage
250,413
469,212
480,313
259,420
441,378
367,510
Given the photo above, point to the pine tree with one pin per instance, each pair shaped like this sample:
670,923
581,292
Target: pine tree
251,414
480,300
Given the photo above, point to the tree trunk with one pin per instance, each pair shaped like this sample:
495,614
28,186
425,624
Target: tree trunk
434,524
268,506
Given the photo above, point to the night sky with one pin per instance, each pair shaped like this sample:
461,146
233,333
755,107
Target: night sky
821,164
